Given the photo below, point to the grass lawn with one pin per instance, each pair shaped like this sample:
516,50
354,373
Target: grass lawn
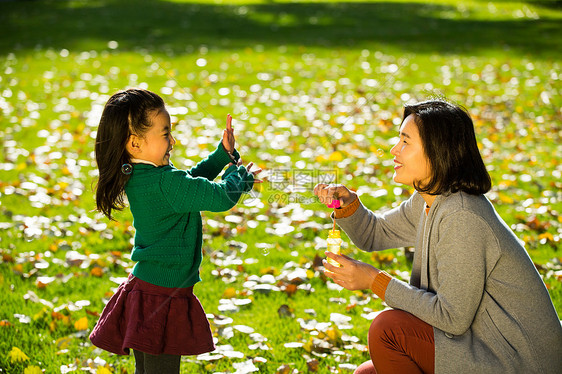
316,90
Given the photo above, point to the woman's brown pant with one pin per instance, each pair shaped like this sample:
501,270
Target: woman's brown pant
399,343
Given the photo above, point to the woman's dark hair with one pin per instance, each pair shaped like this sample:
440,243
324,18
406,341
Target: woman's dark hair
125,113
447,134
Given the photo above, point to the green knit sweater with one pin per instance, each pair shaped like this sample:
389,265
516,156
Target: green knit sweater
166,204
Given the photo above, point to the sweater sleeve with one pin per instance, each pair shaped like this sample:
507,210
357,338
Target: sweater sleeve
211,166
371,231
186,193
465,244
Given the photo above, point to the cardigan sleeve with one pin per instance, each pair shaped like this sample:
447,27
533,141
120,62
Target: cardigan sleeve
397,227
186,193
211,166
465,244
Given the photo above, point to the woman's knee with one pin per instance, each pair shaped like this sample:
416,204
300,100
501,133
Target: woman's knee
385,321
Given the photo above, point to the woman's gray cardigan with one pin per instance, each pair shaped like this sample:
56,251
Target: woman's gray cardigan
471,280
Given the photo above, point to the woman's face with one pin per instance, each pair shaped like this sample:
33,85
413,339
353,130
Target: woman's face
410,162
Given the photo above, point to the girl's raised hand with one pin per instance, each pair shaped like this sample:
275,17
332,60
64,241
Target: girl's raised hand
228,140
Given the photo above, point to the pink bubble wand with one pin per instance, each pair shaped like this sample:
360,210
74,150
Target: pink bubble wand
334,204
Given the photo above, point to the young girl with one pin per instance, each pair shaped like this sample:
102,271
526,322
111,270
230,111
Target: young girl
475,302
155,312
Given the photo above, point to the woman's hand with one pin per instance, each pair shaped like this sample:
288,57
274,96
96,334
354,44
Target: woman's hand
228,140
352,274
328,192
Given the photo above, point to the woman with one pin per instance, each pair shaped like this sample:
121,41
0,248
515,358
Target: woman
475,302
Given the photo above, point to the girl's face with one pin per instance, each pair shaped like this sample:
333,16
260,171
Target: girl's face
157,142
411,163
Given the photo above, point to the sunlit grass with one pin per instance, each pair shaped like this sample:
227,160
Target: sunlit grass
315,88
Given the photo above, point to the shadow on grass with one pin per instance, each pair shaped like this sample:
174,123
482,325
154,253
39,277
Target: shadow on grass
183,27
553,4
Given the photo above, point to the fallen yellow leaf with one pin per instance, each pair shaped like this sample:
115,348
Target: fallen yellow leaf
269,270
33,370
308,346
336,156
334,335
229,293
547,236
18,269
81,324
103,370
283,369
320,158
506,199
41,285
62,343
96,272
16,355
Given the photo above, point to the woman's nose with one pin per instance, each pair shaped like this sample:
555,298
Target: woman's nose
395,150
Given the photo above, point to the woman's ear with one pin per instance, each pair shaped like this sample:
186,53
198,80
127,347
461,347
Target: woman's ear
133,145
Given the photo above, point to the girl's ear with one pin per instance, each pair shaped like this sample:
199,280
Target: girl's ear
133,145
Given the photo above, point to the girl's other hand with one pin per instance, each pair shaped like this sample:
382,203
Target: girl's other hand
254,173
352,274
249,170
228,140
328,192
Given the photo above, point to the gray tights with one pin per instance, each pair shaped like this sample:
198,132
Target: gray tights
156,364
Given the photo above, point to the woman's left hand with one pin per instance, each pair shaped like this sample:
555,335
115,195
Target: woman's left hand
352,274
329,192
228,140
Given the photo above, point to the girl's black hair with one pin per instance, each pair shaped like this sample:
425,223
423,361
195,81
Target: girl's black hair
447,134
125,113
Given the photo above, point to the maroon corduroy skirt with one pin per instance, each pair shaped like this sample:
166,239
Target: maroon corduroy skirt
153,319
